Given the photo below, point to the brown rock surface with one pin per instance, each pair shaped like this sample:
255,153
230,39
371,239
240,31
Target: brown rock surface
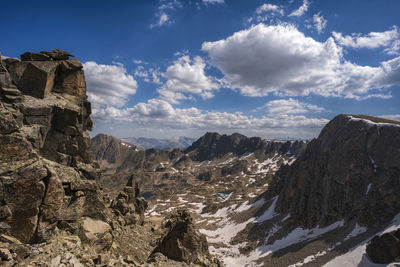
35,78
70,78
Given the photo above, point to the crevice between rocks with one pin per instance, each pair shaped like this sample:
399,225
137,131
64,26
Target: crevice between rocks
35,238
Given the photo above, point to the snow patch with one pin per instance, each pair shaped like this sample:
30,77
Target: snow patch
374,123
357,256
368,188
296,236
269,213
199,206
244,206
373,163
308,259
356,231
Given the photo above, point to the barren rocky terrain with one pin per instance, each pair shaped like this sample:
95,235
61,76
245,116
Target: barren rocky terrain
225,200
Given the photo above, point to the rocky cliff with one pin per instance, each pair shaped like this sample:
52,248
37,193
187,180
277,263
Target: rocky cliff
351,172
45,149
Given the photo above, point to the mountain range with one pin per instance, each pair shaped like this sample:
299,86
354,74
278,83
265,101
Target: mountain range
222,200
147,143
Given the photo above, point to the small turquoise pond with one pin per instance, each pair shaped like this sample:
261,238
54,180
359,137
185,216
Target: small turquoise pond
147,195
224,195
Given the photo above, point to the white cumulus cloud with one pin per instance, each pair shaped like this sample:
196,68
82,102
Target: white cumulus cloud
280,59
186,78
108,84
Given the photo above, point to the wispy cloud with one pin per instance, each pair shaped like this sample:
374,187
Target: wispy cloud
163,15
290,106
163,19
389,39
213,1
319,22
269,8
301,10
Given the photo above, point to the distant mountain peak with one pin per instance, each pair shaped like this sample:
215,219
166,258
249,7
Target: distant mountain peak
148,143
238,135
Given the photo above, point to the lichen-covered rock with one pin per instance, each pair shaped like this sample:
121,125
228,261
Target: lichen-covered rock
7,121
49,120
21,177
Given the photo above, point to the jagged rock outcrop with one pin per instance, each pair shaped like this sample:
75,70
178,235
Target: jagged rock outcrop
385,249
129,204
183,242
44,147
55,124
350,172
214,145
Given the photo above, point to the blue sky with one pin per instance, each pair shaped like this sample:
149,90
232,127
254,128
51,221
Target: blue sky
167,68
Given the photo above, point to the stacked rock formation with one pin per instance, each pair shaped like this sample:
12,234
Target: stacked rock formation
129,204
46,176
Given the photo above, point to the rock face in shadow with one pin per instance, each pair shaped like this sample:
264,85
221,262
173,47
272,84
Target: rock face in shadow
385,249
183,242
351,172
45,170
214,145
